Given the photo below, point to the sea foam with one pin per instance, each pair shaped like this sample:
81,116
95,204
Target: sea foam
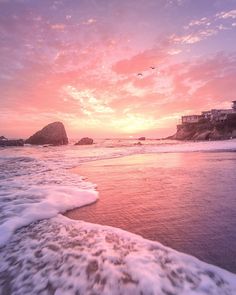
35,183
32,191
60,256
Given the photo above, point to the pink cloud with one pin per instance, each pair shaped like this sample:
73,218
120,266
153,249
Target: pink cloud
227,14
140,62
193,37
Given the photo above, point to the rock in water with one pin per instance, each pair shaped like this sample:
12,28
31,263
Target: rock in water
11,142
85,141
53,133
3,138
142,138
138,143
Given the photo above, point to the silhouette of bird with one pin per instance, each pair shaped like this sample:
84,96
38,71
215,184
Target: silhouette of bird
153,68
139,74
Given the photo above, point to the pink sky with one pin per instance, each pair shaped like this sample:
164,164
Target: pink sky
78,62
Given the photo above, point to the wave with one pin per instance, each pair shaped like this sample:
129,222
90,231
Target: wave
62,256
32,191
67,256
35,183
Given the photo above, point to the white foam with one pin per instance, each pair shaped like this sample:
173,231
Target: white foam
190,146
47,202
36,178
63,256
32,190
35,185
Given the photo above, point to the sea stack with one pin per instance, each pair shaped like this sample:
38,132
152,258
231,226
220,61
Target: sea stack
85,141
54,134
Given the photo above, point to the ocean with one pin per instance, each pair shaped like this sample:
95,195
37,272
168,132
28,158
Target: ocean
181,194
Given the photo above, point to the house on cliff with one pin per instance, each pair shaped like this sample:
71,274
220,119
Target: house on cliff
220,115
191,119
214,115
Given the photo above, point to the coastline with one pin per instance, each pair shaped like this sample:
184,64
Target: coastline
63,256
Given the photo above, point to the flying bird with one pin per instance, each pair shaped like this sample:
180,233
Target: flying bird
153,68
139,74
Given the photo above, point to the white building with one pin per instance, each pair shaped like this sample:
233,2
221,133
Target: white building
212,115
191,119
207,115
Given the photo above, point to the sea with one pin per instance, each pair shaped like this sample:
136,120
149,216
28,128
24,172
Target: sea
181,194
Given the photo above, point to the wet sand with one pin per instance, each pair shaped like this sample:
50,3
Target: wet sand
184,200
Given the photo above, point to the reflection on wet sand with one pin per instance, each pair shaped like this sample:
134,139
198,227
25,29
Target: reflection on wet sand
183,200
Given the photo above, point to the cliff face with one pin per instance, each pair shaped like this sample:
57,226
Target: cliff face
207,130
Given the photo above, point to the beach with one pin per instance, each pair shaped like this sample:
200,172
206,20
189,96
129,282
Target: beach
147,190
183,200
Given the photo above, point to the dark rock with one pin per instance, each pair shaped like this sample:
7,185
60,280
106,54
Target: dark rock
3,138
142,138
138,143
216,135
233,135
54,134
85,141
204,135
11,142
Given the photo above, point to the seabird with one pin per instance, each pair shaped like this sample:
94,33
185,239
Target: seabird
140,74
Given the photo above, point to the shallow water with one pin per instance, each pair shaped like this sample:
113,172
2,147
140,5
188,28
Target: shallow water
186,201
179,193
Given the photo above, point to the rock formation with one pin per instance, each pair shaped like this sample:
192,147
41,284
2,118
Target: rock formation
138,143
11,142
53,133
3,138
142,138
207,130
85,141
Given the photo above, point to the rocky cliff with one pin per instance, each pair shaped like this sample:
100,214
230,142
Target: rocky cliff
207,130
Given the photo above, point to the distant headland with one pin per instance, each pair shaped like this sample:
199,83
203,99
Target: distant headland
216,124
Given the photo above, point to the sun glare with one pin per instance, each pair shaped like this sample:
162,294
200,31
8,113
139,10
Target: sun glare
133,123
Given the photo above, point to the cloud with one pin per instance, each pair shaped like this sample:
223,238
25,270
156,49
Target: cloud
87,76
170,3
87,101
90,21
202,28
204,83
58,27
226,14
193,37
141,62
199,22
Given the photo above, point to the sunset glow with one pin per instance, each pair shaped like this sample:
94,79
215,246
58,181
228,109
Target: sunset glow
114,68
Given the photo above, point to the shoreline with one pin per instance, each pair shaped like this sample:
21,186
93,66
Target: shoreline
110,178
63,256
